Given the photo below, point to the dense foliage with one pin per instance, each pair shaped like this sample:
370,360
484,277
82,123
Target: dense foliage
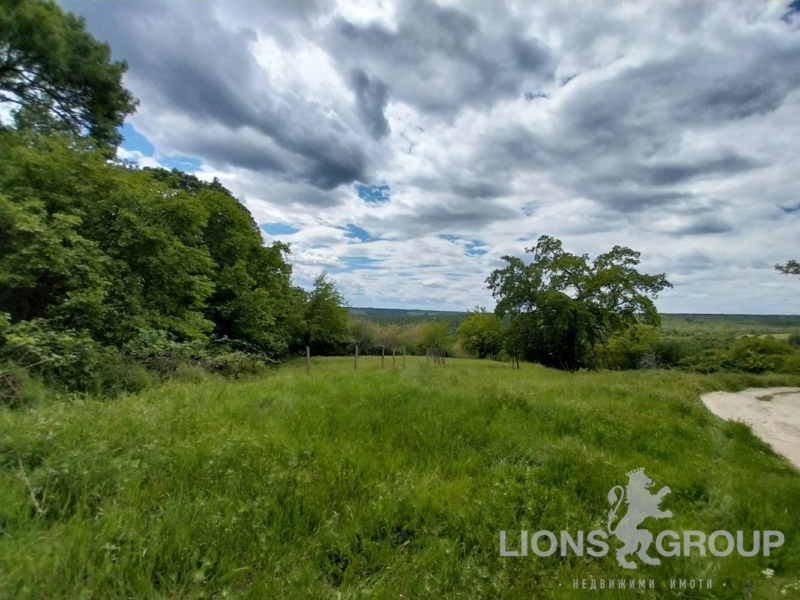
55,75
792,267
112,275
482,334
562,307
100,262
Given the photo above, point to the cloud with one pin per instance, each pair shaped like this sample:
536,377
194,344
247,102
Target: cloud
443,59
361,133
372,97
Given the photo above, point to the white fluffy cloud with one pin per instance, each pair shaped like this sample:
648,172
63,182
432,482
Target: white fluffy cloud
670,127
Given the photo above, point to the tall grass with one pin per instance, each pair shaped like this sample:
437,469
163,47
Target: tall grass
380,483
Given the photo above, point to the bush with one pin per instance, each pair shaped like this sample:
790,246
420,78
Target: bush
70,360
234,364
760,355
18,389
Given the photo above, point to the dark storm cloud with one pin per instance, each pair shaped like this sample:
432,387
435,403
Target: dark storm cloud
444,215
621,140
674,172
372,96
705,226
463,185
183,60
441,59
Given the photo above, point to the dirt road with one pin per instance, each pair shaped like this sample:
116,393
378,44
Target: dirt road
772,413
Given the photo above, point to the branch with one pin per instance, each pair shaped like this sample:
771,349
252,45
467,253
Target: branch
39,507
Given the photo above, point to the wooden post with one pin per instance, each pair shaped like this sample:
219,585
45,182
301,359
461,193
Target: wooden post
393,354
382,355
404,357
444,356
427,356
308,360
355,359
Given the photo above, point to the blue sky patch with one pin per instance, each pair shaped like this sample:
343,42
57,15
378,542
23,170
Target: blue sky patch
355,263
448,237
356,232
374,193
182,163
475,248
278,229
135,142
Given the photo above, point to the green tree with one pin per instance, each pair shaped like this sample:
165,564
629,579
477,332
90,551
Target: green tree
253,300
792,267
435,334
362,334
567,305
98,247
54,74
482,334
326,317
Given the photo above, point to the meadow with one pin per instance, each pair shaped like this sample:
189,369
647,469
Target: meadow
380,483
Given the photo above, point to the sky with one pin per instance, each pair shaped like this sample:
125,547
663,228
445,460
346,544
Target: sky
406,147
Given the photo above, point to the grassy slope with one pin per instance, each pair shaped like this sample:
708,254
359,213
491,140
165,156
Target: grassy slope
394,482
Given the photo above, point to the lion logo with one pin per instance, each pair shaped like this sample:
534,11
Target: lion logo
641,505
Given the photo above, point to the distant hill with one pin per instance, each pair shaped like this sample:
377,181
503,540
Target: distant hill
670,321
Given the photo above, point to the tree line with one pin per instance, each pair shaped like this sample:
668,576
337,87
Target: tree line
111,275
108,272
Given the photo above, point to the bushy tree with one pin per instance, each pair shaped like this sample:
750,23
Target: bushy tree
562,305
55,75
792,267
253,300
760,354
362,334
326,318
94,246
435,335
482,334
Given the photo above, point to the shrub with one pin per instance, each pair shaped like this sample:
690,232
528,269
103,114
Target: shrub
70,360
760,355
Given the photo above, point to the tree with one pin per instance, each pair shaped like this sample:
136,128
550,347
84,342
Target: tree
389,336
99,247
326,317
566,305
435,335
362,333
253,299
482,334
790,268
55,75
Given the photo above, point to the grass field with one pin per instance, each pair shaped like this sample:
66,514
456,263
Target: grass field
380,483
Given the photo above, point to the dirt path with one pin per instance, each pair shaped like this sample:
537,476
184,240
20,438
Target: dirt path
773,414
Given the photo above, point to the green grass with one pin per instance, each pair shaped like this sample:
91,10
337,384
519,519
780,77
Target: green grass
379,483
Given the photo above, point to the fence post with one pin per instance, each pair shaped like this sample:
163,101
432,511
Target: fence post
355,359
444,356
427,356
404,357
308,360
382,355
393,354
